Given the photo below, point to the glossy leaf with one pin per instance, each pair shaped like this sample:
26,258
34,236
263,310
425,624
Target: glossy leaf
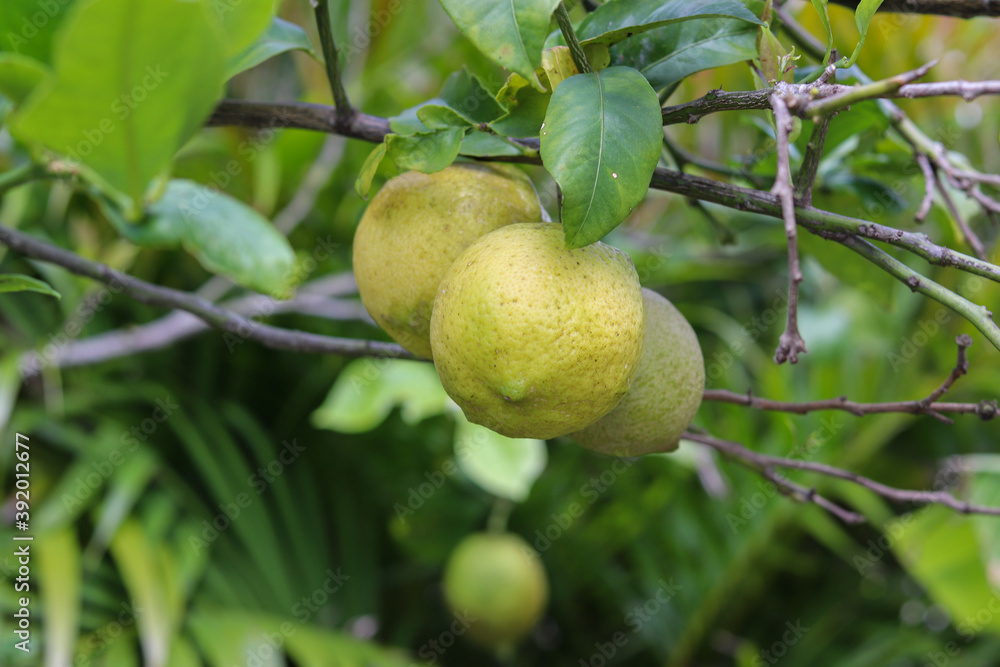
13,282
280,36
427,152
601,143
224,234
367,390
511,32
505,467
135,101
863,18
668,55
19,75
525,108
614,22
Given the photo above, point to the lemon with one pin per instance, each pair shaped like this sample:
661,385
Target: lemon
665,393
417,225
534,340
495,582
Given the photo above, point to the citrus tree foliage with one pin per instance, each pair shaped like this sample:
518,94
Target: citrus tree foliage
230,465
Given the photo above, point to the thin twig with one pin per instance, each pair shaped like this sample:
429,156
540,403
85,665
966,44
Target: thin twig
683,157
806,177
575,49
790,344
985,410
802,494
232,323
738,451
966,9
929,180
344,111
967,233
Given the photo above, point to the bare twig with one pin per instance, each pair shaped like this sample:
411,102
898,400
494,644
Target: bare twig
985,410
790,344
966,9
230,322
806,177
929,180
764,461
967,233
803,494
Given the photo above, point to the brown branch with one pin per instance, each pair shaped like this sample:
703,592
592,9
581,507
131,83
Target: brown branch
806,177
985,410
790,344
802,494
929,180
967,233
741,453
965,9
220,318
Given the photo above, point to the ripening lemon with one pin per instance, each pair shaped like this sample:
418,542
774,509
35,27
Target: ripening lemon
532,339
665,393
417,225
495,582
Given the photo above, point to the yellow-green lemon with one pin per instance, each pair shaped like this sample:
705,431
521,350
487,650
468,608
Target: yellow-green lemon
417,225
534,340
665,393
496,585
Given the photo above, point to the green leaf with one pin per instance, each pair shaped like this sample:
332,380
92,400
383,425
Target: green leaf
280,36
863,18
505,467
28,27
772,57
939,549
525,108
242,22
224,234
135,100
15,282
367,390
363,184
511,32
601,143
437,117
824,16
427,151
58,564
19,75
668,55
484,144
614,22
468,100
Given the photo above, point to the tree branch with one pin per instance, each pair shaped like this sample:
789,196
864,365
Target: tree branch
790,344
575,49
344,111
965,9
765,461
213,315
810,162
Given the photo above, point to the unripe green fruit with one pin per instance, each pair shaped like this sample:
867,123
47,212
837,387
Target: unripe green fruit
497,582
417,225
665,392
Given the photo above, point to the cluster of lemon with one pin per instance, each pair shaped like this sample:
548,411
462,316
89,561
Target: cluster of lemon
530,338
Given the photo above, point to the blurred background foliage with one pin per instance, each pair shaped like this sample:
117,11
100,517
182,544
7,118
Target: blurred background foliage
214,503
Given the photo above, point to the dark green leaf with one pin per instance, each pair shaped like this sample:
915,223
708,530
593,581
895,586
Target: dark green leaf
601,142
280,36
511,32
10,282
525,107
614,22
225,235
667,55
134,101
19,75
426,152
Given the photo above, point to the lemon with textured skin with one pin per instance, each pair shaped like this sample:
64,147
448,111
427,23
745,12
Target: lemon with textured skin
665,392
532,339
417,225
497,583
